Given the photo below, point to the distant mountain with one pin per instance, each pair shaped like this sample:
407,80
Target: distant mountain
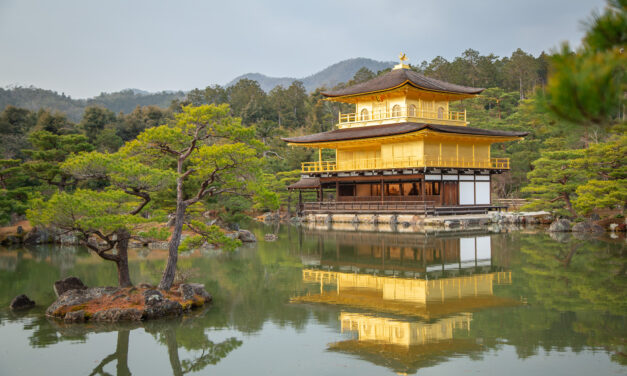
124,101
328,77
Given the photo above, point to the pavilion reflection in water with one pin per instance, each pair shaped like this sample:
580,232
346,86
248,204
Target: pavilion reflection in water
407,300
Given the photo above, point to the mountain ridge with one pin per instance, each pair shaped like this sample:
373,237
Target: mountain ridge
126,100
328,77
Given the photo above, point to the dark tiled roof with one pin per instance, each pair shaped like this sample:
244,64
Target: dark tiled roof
346,134
397,77
305,183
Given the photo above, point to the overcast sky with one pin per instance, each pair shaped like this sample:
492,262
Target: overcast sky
86,47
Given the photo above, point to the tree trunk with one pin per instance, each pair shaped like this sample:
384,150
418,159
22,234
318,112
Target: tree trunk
173,352
173,248
124,278
122,353
569,205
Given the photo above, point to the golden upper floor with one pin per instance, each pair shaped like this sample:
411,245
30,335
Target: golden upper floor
402,95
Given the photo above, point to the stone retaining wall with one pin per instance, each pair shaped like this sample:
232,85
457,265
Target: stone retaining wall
416,223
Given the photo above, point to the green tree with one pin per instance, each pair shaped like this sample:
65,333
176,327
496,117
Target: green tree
362,75
14,189
248,101
140,119
48,152
56,123
210,153
586,88
95,119
608,186
102,219
554,180
15,123
105,220
522,68
609,29
210,95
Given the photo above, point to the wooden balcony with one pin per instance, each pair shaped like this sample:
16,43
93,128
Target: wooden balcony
400,163
402,114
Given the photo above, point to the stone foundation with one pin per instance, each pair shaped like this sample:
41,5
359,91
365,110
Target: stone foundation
493,221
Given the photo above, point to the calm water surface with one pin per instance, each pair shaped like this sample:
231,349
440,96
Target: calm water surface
333,302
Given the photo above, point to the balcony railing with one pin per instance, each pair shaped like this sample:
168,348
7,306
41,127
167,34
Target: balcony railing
381,164
404,114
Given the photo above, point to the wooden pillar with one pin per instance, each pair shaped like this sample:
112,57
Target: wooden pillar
300,201
382,189
422,188
337,191
289,203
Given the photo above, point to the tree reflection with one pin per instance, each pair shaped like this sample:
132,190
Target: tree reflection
120,355
189,334
211,353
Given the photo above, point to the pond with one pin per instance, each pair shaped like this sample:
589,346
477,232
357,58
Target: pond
342,302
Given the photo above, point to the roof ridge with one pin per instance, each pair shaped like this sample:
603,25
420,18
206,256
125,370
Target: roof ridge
399,77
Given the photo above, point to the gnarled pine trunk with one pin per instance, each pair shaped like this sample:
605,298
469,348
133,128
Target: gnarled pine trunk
173,248
124,278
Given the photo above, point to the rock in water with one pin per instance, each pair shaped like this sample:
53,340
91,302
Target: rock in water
152,297
187,291
246,236
199,289
77,297
21,302
587,226
560,225
117,314
162,309
69,283
75,316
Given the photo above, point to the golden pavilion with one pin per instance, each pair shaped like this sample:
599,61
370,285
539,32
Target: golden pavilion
403,150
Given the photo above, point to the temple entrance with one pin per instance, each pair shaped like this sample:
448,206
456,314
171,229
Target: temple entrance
450,193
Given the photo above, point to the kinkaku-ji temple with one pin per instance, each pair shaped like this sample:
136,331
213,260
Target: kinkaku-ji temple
403,150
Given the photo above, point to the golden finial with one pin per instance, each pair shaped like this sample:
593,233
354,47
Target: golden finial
403,58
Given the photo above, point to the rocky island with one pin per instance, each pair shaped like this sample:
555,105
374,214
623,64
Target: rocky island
79,303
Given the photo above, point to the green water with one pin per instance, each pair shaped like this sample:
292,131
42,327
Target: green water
326,302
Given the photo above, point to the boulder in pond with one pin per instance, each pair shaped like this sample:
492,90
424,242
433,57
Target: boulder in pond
162,309
560,225
187,291
72,298
117,314
75,316
199,289
588,226
152,297
69,283
21,302
246,236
